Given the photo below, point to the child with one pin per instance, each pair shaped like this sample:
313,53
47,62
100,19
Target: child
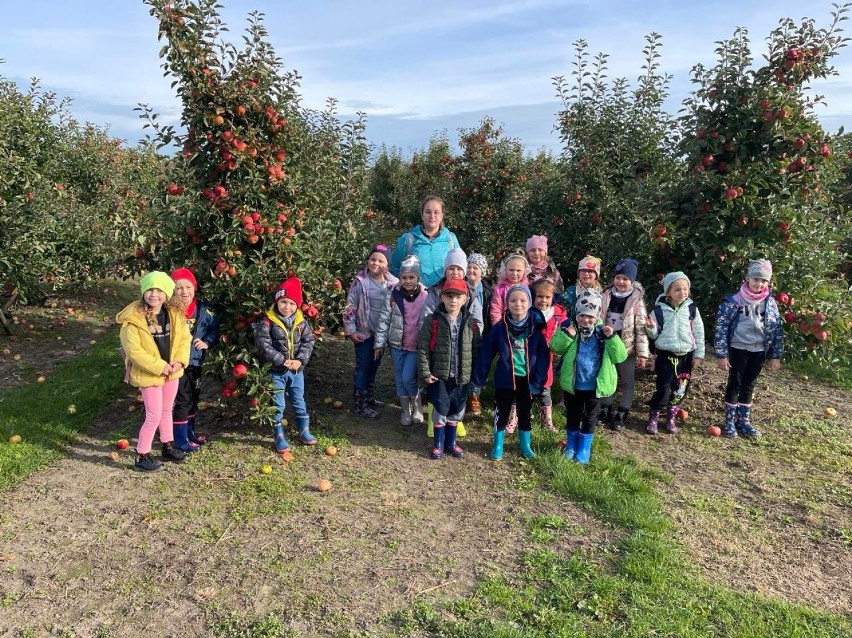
285,340
540,266
623,308
588,278
368,295
446,349
156,344
481,288
514,270
543,292
748,330
455,266
678,332
592,350
204,330
399,327
523,361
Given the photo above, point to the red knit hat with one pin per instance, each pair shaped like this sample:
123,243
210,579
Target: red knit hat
185,273
290,288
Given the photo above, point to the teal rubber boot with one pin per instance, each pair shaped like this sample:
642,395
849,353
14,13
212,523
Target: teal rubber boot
497,445
524,440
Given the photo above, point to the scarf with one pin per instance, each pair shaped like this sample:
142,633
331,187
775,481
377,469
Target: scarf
751,298
190,309
622,295
540,270
410,296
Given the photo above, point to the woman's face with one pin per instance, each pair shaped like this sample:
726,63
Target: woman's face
515,271
432,216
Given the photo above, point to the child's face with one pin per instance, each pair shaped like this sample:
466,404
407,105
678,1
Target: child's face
543,298
474,274
154,298
454,272
537,256
586,321
408,281
678,292
286,307
622,283
377,265
519,305
185,291
587,278
515,271
453,302
756,284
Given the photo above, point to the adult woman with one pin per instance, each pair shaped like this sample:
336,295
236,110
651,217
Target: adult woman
430,241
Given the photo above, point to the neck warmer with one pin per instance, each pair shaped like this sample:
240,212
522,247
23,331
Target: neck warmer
751,297
622,295
190,309
410,296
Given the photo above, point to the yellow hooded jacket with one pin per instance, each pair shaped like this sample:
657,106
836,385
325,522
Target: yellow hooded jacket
141,352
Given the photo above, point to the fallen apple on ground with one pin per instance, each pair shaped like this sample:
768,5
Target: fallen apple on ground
829,413
122,444
714,430
266,469
15,438
331,450
324,485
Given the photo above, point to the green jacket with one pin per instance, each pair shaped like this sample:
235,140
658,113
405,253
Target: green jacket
614,353
434,346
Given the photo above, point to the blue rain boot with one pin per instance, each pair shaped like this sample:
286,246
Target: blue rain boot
524,439
571,439
438,446
497,446
198,439
304,433
730,429
182,441
584,448
450,441
743,423
281,444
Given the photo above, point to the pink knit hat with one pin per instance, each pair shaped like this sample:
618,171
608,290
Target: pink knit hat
537,241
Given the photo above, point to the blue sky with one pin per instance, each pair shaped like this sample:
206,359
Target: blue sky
414,67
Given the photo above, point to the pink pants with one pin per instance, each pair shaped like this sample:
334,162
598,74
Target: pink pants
159,400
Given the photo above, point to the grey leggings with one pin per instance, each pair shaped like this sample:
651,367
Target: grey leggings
626,383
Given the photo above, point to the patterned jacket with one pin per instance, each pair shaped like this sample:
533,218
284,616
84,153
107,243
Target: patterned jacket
728,316
356,314
633,333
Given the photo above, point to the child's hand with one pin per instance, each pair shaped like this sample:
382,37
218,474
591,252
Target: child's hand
641,362
775,365
198,344
696,363
293,364
377,353
571,330
357,337
430,379
167,371
649,322
608,331
723,364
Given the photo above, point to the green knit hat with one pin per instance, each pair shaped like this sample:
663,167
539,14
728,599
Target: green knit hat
159,280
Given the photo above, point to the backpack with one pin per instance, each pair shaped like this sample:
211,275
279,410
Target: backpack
658,317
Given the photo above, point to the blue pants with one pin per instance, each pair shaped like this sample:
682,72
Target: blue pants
405,364
448,400
366,366
290,386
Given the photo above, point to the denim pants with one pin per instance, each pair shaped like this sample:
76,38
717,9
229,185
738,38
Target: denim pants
366,366
405,364
290,386
448,401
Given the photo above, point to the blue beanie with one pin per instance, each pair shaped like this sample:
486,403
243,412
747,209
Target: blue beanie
627,267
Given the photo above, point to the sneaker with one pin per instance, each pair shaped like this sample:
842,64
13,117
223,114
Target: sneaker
145,463
171,453
474,408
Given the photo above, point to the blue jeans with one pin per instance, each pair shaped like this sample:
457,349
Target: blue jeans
405,364
448,400
366,366
290,386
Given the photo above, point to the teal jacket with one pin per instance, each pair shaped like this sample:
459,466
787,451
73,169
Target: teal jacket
431,253
613,350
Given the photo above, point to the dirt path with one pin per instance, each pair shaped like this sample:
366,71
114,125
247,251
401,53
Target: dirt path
89,544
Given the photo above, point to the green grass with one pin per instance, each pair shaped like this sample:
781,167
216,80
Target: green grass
838,374
645,586
39,412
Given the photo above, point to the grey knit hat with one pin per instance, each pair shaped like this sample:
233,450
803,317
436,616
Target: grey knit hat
672,277
760,269
410,264
455,257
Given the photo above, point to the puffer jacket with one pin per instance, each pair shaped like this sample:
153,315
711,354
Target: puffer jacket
431,252
276,343
613,353
145,366
472,305
679,335
392,321
499,343
633,333
206,328
434,347
356,314
728,316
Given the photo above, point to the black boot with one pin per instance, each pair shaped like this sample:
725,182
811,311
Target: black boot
171,453
605,414
619,419
145,463
372,401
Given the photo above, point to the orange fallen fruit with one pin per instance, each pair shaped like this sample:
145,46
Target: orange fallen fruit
563,443
714,430
287,456
113,456
122,444
337,405
331,450
324,485
15,438
682,414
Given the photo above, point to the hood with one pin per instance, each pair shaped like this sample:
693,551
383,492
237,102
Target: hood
131,314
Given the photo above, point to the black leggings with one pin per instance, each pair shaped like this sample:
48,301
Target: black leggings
189,391
521,397
673,375
745,368
581,411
